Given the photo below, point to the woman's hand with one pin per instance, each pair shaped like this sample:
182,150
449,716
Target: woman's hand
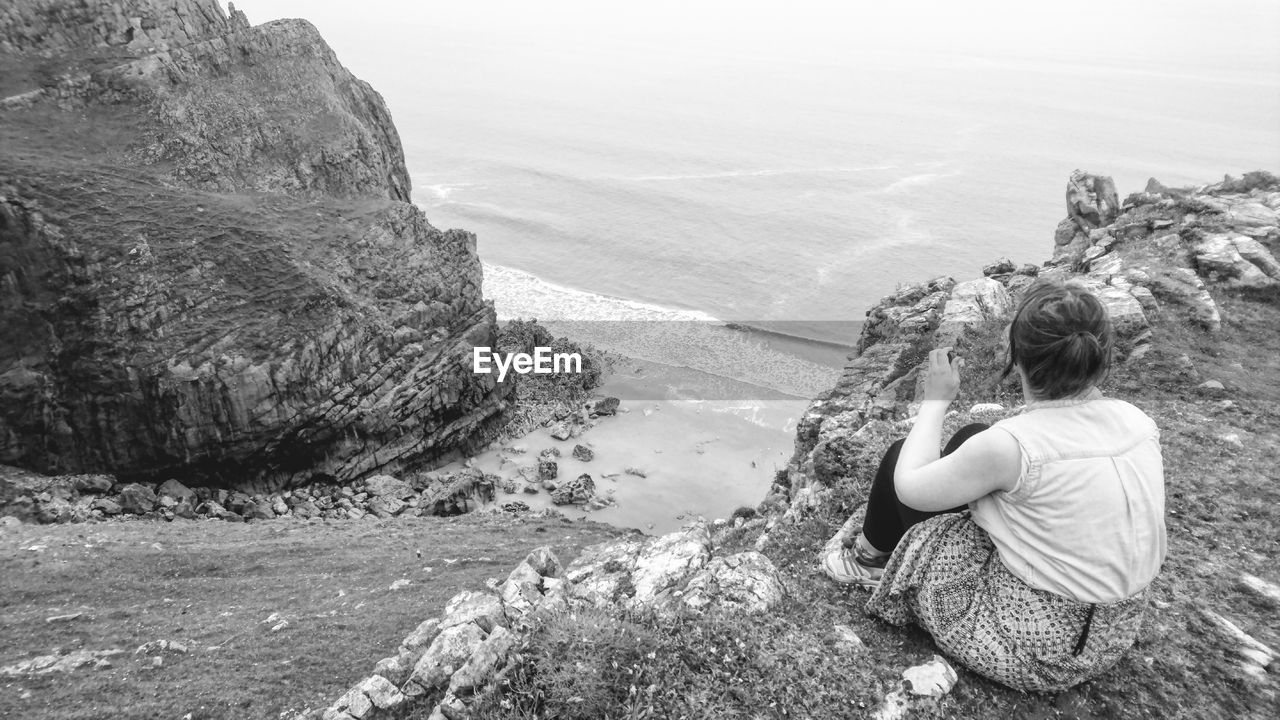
942,377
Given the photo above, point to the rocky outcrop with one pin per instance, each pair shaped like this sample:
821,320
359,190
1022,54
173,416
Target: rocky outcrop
447,661
86,498
1158,251
208,265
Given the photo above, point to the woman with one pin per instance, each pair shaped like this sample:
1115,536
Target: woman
1024,549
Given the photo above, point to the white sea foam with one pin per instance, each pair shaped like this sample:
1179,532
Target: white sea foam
516,293
670,336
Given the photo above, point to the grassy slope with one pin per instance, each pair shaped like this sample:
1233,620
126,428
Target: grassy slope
1224,519
211,583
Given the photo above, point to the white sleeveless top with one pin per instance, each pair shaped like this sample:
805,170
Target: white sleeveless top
1086,517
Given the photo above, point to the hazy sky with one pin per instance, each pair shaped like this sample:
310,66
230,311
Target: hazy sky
1222,37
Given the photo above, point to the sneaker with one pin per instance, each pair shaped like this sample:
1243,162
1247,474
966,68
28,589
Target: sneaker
849,566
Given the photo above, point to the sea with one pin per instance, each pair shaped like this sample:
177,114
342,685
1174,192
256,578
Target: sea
729,186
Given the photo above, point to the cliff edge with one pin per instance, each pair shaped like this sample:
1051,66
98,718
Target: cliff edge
209,267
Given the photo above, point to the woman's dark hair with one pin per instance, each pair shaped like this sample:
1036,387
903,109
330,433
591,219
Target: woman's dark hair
1062,339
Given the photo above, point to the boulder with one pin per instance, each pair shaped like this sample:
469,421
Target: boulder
562,431
667,561
1004,266
606,406
547,470
1236,260
480,666
972,303
94,484
574,492
469,606
137,499
238,502
1092,201
176,490
260,510
544,562
422,636
387,486
386,506
747,582
107,506
447,652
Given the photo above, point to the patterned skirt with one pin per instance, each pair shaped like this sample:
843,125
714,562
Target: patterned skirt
947,577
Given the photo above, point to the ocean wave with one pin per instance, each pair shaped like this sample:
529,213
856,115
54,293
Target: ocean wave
669,336
516,293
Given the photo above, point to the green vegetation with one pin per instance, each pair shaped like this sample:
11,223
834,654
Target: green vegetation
211,586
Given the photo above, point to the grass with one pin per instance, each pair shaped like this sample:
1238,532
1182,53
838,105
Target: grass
212,586
1223,520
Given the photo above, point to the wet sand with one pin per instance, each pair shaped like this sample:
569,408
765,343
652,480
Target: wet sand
699,457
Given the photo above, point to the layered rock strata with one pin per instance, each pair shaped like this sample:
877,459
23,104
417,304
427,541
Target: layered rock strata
208,265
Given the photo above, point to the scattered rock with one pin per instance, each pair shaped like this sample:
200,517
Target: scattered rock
1232,439
1266,591
605,406
400,584
177,491
46,664
635,471
159,647
547,470
583,453
1246,654
137,499
63,618
562,431
1004,266
846,638
94,484
260,510
933,679
576,491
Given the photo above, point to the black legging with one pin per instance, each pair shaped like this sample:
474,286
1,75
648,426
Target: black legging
887,518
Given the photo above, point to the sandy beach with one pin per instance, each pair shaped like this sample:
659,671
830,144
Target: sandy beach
698,457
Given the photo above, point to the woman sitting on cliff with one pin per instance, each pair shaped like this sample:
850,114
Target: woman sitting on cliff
1025,549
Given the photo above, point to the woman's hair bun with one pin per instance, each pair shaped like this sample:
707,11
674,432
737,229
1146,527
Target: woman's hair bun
1062,339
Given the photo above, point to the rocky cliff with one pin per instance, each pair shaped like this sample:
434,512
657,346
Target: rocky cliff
209,267
1152,259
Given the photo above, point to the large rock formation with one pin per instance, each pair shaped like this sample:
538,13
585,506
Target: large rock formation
208,264
1158,251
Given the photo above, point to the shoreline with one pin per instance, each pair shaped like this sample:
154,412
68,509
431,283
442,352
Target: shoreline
694,457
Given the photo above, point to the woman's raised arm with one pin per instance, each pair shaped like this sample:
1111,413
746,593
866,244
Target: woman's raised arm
987,462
